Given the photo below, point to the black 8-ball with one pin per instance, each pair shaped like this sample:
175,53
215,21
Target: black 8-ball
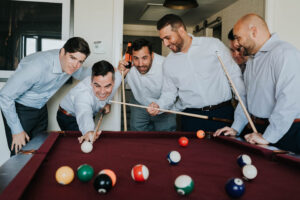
102,183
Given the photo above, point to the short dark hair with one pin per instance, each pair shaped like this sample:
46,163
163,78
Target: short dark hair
102,68
140,43
230,35
170,19
77,44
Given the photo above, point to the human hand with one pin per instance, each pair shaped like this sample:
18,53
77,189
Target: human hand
89,137
107,108
18,141
122,67
226,130
153,109
255,138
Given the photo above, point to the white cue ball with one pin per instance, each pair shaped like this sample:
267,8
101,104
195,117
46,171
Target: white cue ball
86,147
249,172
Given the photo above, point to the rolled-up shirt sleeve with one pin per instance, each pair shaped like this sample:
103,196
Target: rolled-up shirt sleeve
84,112
15,87
169,92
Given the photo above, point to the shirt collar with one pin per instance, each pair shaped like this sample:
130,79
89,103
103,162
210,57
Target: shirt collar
268,46
56,63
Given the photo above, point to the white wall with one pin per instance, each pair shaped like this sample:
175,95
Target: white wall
283,17
232,13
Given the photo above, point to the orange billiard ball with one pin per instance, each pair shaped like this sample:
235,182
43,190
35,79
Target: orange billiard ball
183,141
111,174
200,134
64,175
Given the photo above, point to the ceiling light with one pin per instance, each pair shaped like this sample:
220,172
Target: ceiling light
181,4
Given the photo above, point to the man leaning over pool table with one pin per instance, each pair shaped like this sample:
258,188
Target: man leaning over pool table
38,76
78,108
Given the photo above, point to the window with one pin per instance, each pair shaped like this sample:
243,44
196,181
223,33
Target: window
30,26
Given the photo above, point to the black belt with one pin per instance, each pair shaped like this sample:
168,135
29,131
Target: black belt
214,107
265,121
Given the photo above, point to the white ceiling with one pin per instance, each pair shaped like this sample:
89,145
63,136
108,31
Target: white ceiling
134,9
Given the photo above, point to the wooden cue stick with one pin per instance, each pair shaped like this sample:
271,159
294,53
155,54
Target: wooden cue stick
98,124
124,101
176,112
237,94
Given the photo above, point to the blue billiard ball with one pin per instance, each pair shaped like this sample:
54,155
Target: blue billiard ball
243,160
173,157
235,187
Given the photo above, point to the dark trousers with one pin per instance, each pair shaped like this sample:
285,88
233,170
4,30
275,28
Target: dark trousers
66,122
33,121
194,124
289,142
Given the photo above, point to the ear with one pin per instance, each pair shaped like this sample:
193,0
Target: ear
62,51
253,32
181,31
152,55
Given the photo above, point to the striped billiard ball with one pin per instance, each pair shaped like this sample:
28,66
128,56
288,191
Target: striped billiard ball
139,173
173,157
184,184
243,160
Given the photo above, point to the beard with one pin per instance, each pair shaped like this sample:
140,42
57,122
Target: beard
248,49
178,44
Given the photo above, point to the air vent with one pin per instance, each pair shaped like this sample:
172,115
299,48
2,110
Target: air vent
153,12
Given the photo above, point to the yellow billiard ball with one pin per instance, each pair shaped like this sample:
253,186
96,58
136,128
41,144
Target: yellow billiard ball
64,175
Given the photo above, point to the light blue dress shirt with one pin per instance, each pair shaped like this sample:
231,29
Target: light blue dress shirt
146,88
272,79
197,77
35,81
82,103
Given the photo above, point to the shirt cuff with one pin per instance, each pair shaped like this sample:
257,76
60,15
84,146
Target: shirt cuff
16,129
238,126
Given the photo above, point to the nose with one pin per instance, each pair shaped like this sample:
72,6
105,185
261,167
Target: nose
102,90
166,42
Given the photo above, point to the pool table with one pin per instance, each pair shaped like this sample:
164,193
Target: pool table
209,161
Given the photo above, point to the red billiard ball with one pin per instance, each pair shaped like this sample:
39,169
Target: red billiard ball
183,141
140,173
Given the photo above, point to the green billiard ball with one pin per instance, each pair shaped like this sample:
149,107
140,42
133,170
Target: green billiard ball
85,172
184,184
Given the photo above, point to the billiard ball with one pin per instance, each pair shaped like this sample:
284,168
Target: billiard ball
200,134
183,141
102,183
140,173
86,147
173,157
243,160
249,172
85,172
111,174
235,187
64,175
184,184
